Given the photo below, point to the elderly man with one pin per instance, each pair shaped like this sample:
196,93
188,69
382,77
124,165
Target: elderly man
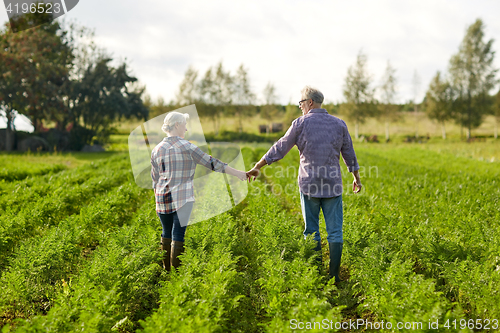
320,138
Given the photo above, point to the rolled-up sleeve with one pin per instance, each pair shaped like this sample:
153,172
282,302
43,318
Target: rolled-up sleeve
347,150
283,145
209,162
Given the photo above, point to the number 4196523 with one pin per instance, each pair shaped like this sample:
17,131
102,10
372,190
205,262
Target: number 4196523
33,8
472,324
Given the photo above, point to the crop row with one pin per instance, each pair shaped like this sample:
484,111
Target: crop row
38,266
248,269
39,213
17,171
16,195
445,221
417,240
115,288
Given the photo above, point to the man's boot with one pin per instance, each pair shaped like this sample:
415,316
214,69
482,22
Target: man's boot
177,249
166,244
335,256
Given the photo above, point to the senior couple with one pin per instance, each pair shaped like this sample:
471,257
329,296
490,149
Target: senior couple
321,139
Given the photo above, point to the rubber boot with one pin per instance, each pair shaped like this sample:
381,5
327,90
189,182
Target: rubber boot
177,250
166,244
335,257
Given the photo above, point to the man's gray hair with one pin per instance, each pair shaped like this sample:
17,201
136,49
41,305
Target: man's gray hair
173,118
312,93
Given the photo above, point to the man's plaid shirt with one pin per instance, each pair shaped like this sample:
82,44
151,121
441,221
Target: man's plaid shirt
173,163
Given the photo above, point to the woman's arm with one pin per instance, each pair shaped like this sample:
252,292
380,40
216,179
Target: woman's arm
237,173
214,164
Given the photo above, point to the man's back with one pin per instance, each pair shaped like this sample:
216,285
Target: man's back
320,138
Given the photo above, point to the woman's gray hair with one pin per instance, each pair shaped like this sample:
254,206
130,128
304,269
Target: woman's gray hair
173,118
312,93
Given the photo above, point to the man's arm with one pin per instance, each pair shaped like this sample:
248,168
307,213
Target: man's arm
277,151
349,157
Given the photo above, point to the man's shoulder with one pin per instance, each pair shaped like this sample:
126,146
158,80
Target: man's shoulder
322,117
338,120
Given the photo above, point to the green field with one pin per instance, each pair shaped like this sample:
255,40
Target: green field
79,247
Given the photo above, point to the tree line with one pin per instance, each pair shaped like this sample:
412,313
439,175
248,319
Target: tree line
55,74
218,93
463,95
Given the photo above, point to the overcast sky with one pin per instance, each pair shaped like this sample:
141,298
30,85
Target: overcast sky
289,43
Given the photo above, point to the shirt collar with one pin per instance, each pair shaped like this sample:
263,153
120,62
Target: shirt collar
317,111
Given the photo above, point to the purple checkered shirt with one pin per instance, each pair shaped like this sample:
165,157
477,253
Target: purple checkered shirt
320,138
173,163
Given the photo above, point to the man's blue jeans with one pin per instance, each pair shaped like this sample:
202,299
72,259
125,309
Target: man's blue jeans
332,211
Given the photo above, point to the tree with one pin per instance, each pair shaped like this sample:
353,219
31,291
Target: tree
243,96
439,101
48,73
416,91
216,93
496,112
358,93
160,107
388,110
472,77
188,88
103,96
269,110
35,65
292,112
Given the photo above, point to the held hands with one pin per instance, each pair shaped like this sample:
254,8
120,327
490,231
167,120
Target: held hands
252,173
241,175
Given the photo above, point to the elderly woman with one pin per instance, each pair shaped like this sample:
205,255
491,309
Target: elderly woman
173,164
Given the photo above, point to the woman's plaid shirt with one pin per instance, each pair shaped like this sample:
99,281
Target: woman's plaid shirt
173,163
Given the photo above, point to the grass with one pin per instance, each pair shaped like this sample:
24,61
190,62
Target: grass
421,243
408,124
70,159
488,151
16,166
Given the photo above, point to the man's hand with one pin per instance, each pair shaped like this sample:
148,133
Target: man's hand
356,186
253,173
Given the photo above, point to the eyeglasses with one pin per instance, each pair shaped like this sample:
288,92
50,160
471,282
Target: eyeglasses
300,102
